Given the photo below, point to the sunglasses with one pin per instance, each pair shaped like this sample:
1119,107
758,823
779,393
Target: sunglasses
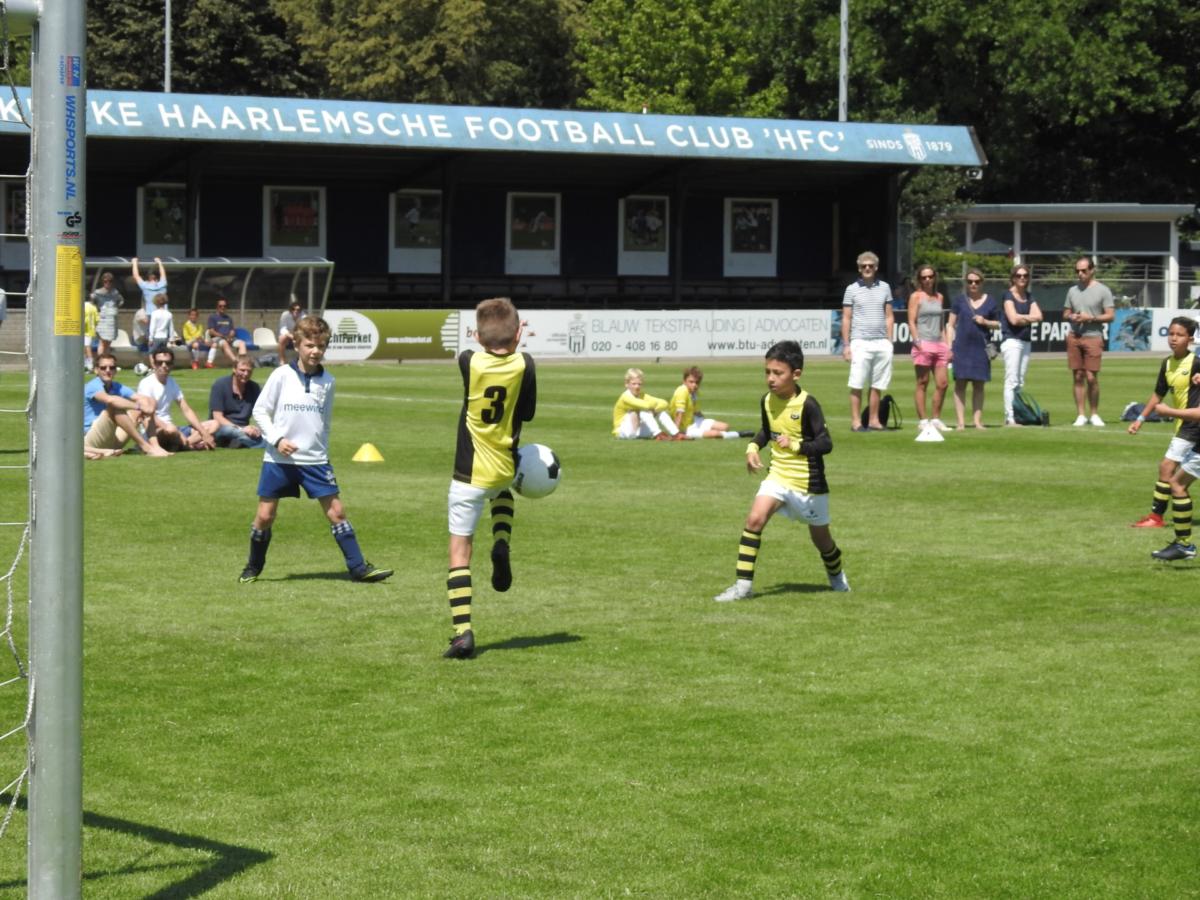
974,281
1021,275
928,277
867,266
106,368
164,362
1082,271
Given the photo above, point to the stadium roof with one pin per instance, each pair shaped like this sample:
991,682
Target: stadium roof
355,123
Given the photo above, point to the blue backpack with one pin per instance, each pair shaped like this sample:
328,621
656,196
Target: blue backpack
1027,411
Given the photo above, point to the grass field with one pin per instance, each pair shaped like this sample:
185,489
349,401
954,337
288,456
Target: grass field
1007,705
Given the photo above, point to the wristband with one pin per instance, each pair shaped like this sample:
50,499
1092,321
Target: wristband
1141,418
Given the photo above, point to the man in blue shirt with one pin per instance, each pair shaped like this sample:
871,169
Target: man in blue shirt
112,414
222,334
231,406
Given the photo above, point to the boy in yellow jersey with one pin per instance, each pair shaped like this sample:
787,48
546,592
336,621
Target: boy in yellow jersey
91,318
639,415
794,426
1171,390
499,394
685,407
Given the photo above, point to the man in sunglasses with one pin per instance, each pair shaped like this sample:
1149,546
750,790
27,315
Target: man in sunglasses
113,415
164,391
868,326
1089,306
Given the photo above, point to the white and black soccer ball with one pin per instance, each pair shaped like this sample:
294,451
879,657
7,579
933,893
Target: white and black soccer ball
538,471
141,369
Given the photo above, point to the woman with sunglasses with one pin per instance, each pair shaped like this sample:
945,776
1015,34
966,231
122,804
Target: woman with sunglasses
1021,310
930,349
972,318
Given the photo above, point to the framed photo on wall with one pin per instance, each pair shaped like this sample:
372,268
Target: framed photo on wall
162,220
751,235
14,251
534,231
415,232
293,222
643,236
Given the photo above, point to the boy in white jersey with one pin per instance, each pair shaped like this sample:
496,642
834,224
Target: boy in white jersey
294,412
794,426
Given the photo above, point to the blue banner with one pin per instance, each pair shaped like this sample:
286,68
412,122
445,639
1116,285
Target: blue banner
127,114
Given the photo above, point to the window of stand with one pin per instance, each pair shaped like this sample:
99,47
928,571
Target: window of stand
14,250
415,232
293,222
643,236
534,233
162,220
751,237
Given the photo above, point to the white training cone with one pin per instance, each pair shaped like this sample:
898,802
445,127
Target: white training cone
930,435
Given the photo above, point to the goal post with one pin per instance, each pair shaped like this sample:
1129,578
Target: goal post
58,218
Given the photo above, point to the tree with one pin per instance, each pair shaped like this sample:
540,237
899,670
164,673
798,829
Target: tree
482,52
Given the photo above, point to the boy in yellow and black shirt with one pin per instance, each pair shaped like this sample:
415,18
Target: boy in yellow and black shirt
499,394
794,426
1170,391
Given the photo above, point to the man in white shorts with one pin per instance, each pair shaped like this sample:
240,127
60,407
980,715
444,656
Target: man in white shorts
868,326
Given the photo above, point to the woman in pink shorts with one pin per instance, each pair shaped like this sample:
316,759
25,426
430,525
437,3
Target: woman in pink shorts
930,349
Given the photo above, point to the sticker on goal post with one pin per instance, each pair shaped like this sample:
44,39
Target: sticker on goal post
68,292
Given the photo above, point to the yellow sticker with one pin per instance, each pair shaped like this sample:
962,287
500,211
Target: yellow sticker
68,292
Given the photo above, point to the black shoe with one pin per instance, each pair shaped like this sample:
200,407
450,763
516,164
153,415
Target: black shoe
462,646
747,433
501,570
1174,551
249,574
367,572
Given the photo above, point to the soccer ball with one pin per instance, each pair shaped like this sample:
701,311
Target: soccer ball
538,471
141,369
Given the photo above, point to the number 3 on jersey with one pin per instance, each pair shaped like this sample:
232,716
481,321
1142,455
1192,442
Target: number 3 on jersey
490,415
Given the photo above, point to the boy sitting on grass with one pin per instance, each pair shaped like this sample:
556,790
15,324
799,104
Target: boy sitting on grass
295,412
685,407
499,395
638,415
794,426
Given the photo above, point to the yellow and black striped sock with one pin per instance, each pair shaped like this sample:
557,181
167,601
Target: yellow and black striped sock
833,560
458,589
748,554
1181,509
1162,498
502,516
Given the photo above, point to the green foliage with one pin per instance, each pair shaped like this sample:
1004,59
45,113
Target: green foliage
671,57
483,52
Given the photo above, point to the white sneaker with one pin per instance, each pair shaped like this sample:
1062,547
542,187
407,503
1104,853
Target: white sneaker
838,582
739,591
939,425
1096,420
922,424
1080,421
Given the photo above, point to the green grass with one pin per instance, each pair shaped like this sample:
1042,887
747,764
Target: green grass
1007,705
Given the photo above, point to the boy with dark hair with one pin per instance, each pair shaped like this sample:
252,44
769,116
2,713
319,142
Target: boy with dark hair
499,395
1187,472
295,412
1174,385
794,426
685,408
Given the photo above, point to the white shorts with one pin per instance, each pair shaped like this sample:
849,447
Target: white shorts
636,425
870,363
465,502
812,509
1177,449
699,426
1191,463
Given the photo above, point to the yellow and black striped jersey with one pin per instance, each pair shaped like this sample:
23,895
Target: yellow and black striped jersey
684,401
499,394
802,465
1174,386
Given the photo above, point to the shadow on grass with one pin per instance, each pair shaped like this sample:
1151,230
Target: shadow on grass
792,587
523,643
313,576
228,860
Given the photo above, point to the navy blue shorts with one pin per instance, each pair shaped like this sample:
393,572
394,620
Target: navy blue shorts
286,480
